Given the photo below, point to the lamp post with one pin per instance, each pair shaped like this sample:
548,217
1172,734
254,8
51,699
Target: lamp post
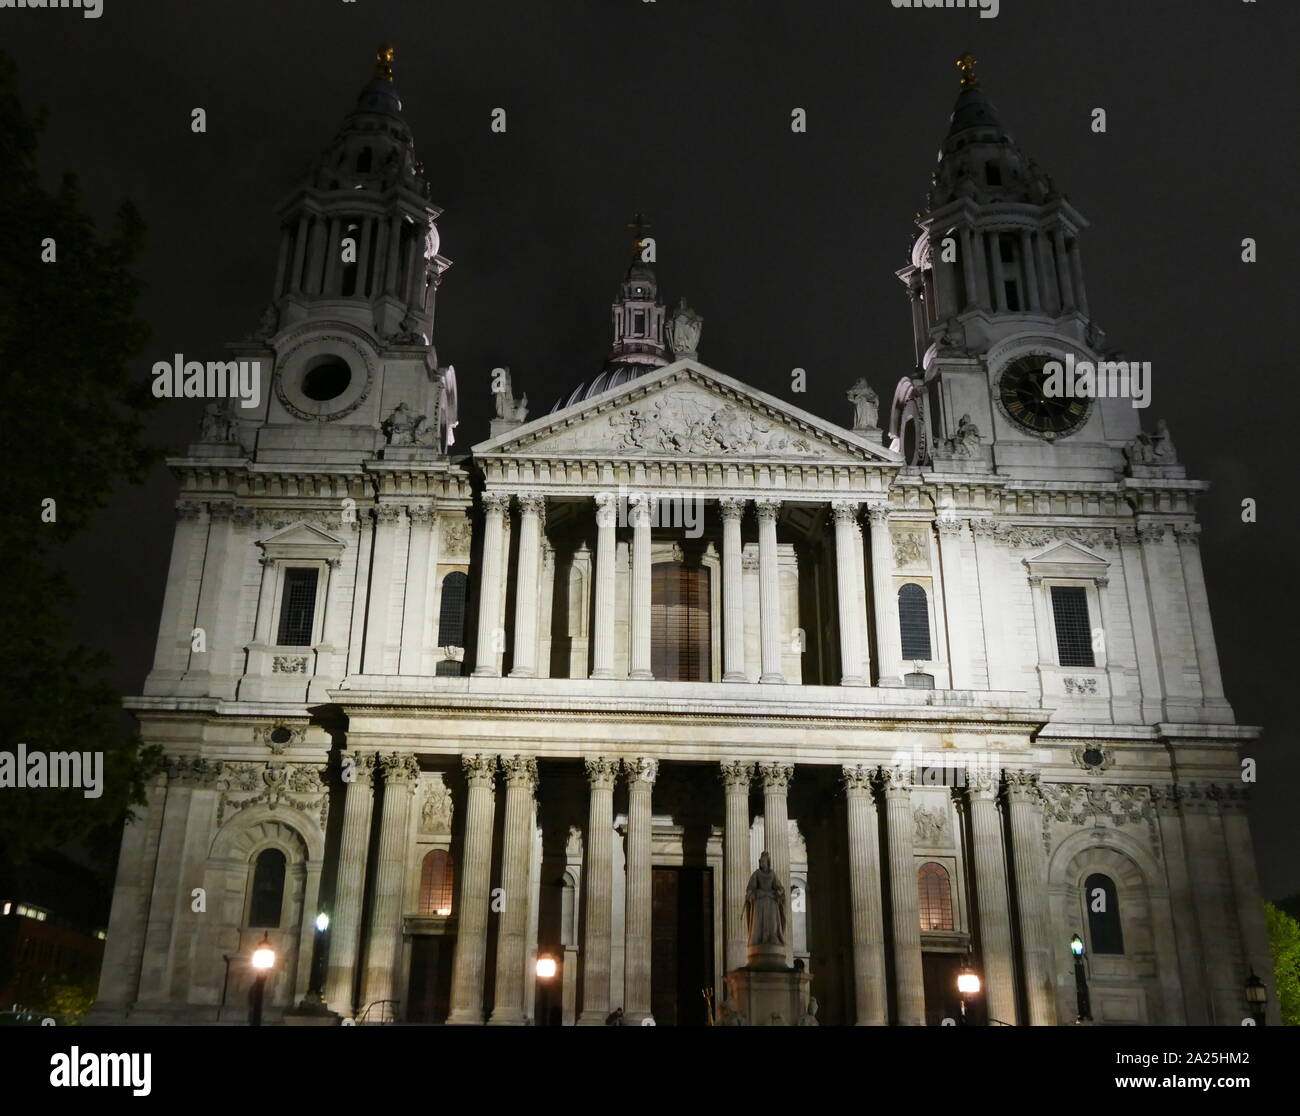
546,970
1256,998
1080,981
263,961
968,984
319,953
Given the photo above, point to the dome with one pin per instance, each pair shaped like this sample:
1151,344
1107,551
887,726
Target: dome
615,375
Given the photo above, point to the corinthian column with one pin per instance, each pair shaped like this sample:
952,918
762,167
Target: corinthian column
882,592
475,884
769,592
1207,654
640,589
401,774
736,778
909,993
521,783
954,601
776,834
598,884
636,949
733,592
991,898
345,929
532,514
486,645
870,992
1024,802
603,619
848,563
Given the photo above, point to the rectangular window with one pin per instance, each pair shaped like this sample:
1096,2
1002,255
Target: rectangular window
1073,633
297,607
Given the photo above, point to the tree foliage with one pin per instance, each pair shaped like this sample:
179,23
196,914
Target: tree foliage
1284,944
72,399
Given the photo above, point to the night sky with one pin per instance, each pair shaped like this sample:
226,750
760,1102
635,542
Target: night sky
786,244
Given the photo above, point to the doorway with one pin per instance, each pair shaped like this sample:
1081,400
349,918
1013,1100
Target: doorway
942,1000
681,957
429,992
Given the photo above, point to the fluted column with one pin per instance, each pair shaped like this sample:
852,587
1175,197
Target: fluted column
603,611
999,280
968,268
882,591
598,886
389,521
909,990
769,592
733,592
954,602
848,563
475,888
869,983
776,834
736,778
419,555
1076,277
640,620
384,944
299,254
1035,302
345,924
516,859
532,516
1063,280
1024,802
495,505
991,897
637,920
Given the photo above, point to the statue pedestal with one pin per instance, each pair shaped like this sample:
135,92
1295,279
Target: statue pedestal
770,996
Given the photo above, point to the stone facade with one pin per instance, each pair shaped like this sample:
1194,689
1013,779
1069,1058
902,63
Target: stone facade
419,668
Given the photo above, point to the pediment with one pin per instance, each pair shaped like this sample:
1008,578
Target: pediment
687,409
1067,559
301,540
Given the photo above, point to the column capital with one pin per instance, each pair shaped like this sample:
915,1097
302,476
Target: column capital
776,776
1151,532
532,504
400,769
421,513
519,771
845,511
479,769
737,774
640,770
982,784
388,513
767,510
984,526
948,528
897,781
1187,532
878,512
733,507
1023,786
858,778
639,505
496,503
601,772
606,509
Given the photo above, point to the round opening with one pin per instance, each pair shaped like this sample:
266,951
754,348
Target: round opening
327,379
281,736
1093,757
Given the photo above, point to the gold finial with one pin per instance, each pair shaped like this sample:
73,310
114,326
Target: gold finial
640,226
384,62
969,78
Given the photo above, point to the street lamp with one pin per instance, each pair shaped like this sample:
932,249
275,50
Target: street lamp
1256,998
263,961
968,984
546,970
1080,981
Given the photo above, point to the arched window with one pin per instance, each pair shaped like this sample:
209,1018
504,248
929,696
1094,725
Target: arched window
437,878
451,616
681,647
914,622
1103,914
268,889
936,896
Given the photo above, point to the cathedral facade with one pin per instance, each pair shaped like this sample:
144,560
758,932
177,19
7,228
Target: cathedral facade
498,735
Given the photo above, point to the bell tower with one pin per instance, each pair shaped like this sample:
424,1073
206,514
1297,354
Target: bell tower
347,336
997,289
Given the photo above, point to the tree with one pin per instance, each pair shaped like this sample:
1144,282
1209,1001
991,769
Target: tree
71,428
1284,944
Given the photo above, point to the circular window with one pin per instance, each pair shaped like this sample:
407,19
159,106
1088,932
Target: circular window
326,379
281,735
1093,757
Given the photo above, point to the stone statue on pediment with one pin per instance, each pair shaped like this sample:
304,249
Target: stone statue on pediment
866,406
765,905
217,424
405,428
683,331
1152,449
508,408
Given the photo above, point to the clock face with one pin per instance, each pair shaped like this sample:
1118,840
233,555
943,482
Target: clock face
1020,391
